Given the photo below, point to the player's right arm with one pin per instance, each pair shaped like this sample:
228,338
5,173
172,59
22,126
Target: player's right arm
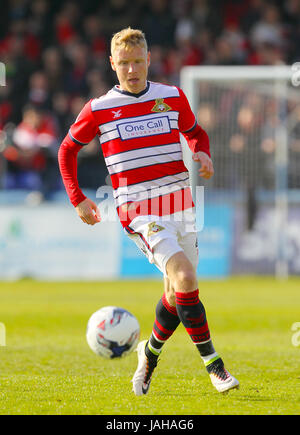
80,134
88,212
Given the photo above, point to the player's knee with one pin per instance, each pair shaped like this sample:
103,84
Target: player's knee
185,280
181,273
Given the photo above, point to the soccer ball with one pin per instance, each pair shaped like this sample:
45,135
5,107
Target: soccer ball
112,332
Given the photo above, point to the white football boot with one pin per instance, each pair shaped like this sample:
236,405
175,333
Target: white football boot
142,377
223,381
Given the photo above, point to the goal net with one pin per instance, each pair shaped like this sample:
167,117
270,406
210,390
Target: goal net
252,117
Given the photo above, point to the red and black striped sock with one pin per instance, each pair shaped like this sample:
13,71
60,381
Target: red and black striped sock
166,322
192,314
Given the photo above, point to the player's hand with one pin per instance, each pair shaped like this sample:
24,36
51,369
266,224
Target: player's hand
88,212
206,170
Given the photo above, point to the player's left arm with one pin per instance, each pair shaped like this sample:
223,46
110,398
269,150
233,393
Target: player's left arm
206,169
196,137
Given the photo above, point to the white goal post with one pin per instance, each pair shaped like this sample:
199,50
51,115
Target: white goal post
267,89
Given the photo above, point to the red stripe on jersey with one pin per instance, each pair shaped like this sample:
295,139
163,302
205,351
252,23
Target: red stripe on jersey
117,146
159,206
146,173
103,116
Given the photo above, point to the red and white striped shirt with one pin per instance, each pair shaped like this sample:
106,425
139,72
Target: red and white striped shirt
140,139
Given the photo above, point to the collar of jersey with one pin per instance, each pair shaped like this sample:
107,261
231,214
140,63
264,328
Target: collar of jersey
131,94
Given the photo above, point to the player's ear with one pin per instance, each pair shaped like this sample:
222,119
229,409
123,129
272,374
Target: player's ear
112,63
148,58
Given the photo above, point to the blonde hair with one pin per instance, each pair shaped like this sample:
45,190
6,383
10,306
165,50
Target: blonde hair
128,38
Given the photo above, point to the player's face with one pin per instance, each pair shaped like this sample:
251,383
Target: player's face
131,67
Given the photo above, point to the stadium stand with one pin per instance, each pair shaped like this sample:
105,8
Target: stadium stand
55,54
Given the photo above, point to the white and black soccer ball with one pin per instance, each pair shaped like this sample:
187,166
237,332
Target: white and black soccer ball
112,332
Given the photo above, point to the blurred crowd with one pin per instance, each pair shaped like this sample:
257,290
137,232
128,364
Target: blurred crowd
56,58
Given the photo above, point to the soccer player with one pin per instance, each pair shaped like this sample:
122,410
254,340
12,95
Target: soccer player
139,123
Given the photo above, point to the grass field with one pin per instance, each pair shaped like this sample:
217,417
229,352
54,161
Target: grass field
47,368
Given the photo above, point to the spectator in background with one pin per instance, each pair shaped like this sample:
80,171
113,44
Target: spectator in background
252,15
96,83
94,38
205,45
76,76
157,69
185,25
60,104
54,51
38,93
208,14
269,29
5,104
159,24
116,14
53,65
32,157
67,23
18,65
39,22
36,131
237,41
267,37
173,65
30,44
225,54
184,38
291,18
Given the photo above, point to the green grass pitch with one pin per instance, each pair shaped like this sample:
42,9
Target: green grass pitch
46,366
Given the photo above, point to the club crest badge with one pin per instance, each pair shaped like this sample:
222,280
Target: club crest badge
160,106
153,228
